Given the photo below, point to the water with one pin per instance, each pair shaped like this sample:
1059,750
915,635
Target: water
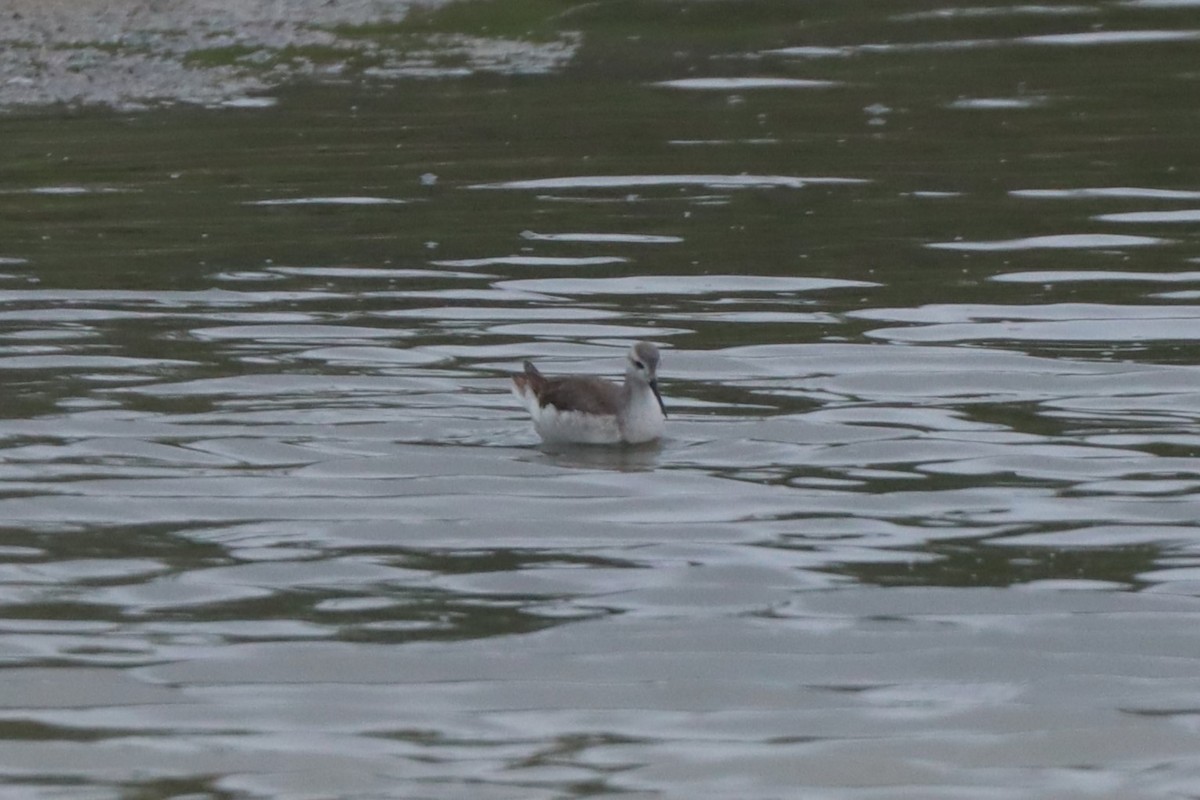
925,524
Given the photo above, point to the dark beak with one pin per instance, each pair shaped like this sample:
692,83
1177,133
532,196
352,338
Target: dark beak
658,397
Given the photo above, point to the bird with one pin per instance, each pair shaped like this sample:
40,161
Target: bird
581,409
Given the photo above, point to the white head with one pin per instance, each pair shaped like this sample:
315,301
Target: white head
642,367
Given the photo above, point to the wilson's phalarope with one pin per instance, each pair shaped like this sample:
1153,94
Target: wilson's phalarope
584,410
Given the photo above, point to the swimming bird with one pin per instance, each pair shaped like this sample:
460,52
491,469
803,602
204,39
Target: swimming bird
580,409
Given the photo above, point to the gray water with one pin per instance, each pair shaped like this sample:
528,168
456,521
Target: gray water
925,523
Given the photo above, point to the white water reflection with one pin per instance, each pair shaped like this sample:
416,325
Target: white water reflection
532,261
360,272
1084,276
599,238
55,361
738,84
1076,39
1054,242
67,190
721,142
161,299
679,285
303,332
995,11
465,314
637,181
1087,38
996,103
1147,193
1059,322
1171,217
584,331
329,201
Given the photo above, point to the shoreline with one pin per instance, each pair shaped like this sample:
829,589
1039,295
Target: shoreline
131,55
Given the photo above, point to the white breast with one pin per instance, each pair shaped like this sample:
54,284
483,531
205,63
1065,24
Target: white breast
643,420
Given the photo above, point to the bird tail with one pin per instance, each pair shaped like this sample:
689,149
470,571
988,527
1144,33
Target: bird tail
527,387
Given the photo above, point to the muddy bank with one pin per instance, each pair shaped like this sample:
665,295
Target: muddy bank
131,54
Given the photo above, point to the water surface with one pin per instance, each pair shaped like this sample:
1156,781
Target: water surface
925,522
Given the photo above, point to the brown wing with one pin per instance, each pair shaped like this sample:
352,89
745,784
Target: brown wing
576,393
532,379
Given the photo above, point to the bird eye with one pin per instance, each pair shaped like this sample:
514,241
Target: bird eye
639,365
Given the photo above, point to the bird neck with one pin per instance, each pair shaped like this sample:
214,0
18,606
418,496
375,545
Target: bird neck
635,385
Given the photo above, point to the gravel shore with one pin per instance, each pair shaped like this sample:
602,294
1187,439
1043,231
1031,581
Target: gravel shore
130,54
